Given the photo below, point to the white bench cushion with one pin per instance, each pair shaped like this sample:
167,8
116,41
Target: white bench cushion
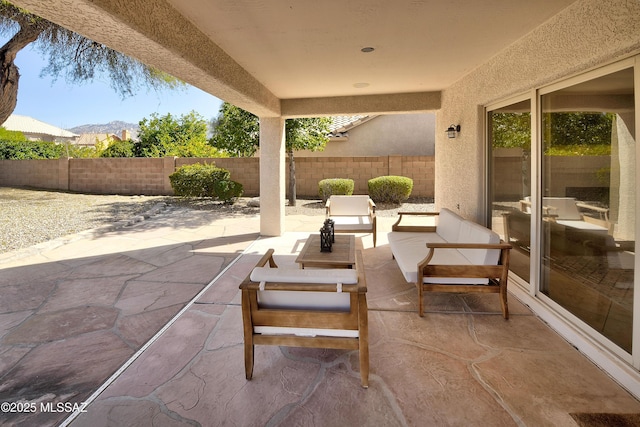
450,257
471,232
449,225
409,248
584,226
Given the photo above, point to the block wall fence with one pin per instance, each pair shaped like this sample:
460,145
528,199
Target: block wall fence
150,176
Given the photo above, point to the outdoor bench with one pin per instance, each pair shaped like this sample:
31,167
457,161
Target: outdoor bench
455,255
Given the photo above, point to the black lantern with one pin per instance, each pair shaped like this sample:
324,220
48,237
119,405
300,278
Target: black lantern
452,130
330,224
325,239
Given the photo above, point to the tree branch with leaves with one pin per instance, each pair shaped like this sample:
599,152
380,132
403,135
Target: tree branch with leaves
70,55
238,133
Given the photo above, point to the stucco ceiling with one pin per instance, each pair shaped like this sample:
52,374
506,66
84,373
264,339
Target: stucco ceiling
309,49
268,56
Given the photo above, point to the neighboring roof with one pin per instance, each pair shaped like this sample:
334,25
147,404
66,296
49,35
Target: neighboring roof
90,138
30,125
342,124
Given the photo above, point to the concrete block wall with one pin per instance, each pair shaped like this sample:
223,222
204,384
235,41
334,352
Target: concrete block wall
120,176
311,170
49,174
150,176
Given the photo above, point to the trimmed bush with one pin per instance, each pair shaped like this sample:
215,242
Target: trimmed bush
337,186
206,180
390,189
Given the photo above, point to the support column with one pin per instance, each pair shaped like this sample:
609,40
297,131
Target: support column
272,176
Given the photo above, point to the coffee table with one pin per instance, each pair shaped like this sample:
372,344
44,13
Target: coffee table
342,255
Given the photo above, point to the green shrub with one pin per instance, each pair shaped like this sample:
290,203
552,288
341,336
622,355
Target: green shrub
390,189
24,150
118,149
338,186
206,180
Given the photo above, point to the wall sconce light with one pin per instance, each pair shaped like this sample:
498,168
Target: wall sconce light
452,130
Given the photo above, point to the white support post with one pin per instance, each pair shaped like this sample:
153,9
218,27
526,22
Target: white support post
272,176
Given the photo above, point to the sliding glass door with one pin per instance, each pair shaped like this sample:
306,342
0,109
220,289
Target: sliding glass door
570,214
588,202
509,129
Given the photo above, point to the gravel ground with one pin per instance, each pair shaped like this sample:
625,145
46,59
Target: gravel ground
29,217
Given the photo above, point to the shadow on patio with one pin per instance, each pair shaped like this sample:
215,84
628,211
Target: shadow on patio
462,364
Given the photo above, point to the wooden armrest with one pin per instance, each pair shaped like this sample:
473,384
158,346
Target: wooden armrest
267,257
456,269
372,205
604,212
421,228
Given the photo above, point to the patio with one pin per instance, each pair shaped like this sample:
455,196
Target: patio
101,298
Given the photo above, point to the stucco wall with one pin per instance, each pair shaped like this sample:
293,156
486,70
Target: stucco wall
588,34
396,134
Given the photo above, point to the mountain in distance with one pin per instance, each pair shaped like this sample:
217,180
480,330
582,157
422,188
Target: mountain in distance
115,127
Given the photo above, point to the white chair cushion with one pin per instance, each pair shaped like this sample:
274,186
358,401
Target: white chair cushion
360,222
349,205
305,300
565,207
345,276
306,332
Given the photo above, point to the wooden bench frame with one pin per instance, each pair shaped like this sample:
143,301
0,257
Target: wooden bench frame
355,319
497,275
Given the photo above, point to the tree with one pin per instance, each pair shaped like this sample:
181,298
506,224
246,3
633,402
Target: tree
169,136
70,55
304,134
238,133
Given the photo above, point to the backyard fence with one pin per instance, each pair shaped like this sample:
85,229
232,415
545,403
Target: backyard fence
150,176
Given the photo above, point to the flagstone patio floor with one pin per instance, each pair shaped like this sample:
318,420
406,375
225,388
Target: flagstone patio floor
143,324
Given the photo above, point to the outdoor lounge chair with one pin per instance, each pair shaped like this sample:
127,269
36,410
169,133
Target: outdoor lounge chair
324,308
352,214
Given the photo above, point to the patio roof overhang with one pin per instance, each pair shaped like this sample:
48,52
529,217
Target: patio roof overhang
291,59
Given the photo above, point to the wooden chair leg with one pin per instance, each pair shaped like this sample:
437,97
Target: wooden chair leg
248,334
503,302
420,300
363,340
248,360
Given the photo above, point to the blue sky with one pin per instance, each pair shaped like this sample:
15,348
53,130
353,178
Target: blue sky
69,105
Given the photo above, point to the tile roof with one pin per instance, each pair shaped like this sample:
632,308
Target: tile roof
341,124
30,125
